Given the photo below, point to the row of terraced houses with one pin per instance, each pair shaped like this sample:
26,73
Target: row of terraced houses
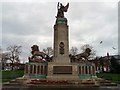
103,63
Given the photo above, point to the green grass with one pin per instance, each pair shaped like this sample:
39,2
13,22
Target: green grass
110,76
8,75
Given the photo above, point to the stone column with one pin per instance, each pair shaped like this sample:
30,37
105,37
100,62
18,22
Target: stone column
88,70
91,69
36,69
43,69
32,69
28,69
84,69
61,42
81,69
39,69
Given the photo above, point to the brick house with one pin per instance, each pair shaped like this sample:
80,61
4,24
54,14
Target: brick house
102,64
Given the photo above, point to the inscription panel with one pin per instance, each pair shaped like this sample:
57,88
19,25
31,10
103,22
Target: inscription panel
62,69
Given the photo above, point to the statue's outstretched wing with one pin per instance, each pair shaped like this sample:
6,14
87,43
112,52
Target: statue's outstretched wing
66,7
58,5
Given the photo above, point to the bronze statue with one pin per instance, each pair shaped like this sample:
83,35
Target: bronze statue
82,57
85,54
61,10
35,51
37,56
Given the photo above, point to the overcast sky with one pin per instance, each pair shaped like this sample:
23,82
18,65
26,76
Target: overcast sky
29,23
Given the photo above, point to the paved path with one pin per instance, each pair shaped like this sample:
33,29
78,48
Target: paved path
109,88
81,88
101,88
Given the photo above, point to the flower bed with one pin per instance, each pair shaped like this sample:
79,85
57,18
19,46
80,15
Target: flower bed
36,81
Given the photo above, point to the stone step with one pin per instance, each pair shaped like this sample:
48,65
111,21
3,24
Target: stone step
63,77
12,81
108,84
11,84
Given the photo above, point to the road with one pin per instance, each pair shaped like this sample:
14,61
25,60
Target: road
85,88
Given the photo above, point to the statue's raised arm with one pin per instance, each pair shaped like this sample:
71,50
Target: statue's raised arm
61,9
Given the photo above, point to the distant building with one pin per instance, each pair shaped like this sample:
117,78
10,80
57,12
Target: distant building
5,63
17,66
102,64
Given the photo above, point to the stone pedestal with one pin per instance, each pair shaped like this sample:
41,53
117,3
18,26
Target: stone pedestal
61,41
61,67
62,71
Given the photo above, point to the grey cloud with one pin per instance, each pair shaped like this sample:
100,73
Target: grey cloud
26,18
32,23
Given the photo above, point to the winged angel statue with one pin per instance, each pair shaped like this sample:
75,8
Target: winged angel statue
61,10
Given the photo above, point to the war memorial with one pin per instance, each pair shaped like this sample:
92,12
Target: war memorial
61,67
60,71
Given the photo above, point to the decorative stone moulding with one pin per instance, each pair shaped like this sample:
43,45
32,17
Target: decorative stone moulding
36,70
61,21
86,70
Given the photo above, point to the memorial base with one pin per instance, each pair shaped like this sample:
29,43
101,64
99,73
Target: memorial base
62,71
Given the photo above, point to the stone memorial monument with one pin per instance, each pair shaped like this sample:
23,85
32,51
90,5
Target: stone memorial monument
63,71
61,67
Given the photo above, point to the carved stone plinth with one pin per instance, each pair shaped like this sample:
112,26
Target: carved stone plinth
62,71
61,41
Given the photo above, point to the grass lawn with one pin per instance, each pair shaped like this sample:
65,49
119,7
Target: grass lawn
8,75
110,76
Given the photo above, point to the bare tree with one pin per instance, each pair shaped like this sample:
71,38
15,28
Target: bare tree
4,58
48,51
14,53
0,54
74,51
0,50
93,52
0,58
